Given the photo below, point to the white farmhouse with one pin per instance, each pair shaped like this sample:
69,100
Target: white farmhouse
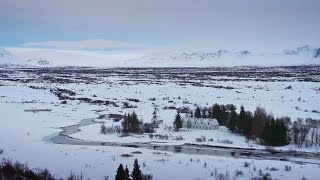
200,123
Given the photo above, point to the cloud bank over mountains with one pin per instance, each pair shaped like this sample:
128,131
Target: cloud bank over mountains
95,44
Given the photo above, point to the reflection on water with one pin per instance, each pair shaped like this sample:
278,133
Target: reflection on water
233,153
177,149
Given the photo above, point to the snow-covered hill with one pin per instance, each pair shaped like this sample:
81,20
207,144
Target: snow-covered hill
50,57
8,58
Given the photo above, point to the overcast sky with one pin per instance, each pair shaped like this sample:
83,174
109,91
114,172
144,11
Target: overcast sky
161,23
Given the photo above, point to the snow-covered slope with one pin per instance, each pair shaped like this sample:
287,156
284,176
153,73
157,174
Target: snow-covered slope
51,57
298,56
8,58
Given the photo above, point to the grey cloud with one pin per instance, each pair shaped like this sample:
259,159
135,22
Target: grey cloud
226,21
95,44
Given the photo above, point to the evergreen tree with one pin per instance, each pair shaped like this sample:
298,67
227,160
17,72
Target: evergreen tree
266,134
223,115
258,123
283,133
296,132
127,174
125,123
216,112
219,112
242,118
134,116
131,123
233,120
197,113
204,113
232,107
136,172
135,124
177,123
275,133
247,128
120,173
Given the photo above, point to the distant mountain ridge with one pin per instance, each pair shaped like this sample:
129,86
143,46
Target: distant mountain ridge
216,54
303,50
298,56
223,57
39,62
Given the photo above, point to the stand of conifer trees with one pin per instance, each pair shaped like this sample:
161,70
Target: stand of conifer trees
130,123
259,124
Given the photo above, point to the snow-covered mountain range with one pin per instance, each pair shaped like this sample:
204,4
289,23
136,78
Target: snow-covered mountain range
50,57
298,56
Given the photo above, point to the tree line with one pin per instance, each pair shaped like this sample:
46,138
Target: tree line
260,124
219,112
131,124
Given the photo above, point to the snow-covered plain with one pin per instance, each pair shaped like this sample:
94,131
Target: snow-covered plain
24,135
278,100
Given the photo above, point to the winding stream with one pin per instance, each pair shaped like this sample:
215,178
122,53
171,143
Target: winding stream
298,157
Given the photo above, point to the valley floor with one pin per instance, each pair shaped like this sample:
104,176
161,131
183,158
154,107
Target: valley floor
25,135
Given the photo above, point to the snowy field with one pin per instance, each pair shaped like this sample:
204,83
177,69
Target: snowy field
25,136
